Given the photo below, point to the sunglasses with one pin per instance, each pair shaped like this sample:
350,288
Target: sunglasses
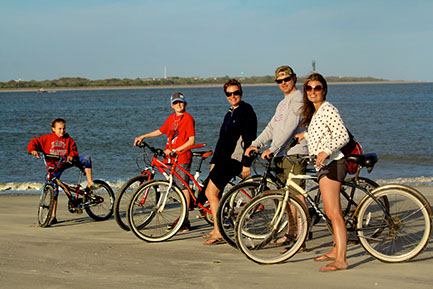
177,102
317,88
237,92
287,79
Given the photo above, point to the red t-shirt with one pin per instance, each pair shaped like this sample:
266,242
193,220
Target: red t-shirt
178,130
54,145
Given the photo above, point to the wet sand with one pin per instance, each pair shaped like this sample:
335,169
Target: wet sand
80,253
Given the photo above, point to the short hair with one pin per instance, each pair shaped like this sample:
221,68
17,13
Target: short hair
231,82
56,120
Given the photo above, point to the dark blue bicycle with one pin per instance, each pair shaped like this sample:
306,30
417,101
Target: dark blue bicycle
97,203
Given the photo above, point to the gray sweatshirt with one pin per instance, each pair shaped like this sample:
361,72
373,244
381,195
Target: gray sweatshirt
283,126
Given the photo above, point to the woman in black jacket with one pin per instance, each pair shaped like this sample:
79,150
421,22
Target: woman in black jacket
238,130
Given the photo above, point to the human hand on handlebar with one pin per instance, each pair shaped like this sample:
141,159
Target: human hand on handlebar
299,136
138,140
267,154
251,148
35,154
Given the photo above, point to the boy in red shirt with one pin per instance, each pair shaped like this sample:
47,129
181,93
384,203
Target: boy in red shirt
180,132
59,143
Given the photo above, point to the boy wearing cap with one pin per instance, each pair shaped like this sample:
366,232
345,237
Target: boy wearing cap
180,132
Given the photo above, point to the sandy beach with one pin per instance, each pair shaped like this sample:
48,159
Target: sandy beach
80,253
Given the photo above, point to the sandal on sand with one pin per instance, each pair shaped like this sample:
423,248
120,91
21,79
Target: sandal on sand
324,258
214,241
286,240
94,187
302,249
330,268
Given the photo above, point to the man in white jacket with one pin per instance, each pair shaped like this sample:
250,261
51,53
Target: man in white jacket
282,127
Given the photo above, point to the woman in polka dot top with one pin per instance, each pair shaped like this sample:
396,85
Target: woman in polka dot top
326,135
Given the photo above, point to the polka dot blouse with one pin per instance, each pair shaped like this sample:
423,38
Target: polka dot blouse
327,133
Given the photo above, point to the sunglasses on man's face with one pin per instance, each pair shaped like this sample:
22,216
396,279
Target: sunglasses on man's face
287,79
236,92
317,88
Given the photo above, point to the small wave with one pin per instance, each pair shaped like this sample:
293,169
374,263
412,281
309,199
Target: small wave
418,181
30,186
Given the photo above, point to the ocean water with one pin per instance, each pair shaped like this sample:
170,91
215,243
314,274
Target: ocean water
393,120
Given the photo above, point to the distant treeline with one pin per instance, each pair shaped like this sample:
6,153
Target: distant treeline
77,82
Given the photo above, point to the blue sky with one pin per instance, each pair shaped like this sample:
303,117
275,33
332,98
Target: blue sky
99,39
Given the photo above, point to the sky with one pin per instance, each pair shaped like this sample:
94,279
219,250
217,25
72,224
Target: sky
99,39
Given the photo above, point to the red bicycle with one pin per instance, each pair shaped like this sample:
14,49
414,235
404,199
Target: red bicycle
150,156
158,207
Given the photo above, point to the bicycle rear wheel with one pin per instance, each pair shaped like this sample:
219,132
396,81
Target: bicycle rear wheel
231,205
256,236
156,213
100,206
404,234
46,204
123,197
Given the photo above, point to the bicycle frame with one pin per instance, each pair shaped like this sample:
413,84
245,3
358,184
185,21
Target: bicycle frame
168,170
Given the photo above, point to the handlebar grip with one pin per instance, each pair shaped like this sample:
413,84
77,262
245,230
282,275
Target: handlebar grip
293,142
190,148
254,154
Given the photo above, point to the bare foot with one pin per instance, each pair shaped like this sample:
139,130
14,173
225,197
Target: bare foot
335,266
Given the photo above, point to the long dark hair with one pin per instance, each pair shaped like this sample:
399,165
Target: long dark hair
308,108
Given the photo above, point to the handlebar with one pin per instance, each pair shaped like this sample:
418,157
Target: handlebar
160,152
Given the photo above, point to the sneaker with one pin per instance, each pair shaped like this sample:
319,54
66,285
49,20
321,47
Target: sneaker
186,226
53,221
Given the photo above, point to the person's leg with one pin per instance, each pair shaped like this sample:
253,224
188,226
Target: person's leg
330,190
212,194
186,225
86,162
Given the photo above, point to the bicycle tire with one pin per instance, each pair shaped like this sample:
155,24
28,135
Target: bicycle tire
256,219
123,197
231,205
46,204
102,208
401,237
144,217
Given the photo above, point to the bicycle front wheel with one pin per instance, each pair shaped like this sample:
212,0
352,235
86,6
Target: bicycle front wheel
263,221
399,236
123,197
100,205
156,211
46,204
231,205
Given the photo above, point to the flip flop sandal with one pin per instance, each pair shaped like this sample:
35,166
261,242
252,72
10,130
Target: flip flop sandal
94,187
214,241
330,268
290,240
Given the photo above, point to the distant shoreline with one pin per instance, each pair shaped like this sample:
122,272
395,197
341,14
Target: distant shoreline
194,85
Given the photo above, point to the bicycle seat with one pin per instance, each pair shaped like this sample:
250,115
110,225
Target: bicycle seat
203,155
364,160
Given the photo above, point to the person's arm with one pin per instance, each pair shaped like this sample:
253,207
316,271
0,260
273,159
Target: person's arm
334,124
188,143
248,134
72,150
154,133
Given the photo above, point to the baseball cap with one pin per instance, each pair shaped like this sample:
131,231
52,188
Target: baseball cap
178,97
283,71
